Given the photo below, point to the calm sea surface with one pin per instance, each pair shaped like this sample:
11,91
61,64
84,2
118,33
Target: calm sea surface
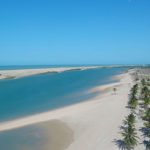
34,94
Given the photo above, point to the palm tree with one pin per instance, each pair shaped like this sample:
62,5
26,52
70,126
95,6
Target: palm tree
143,82
145,92
130,137
134,89
147,115
130,120
147,134
146,102
129,132
133,103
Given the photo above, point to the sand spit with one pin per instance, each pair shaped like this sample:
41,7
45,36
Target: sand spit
5,74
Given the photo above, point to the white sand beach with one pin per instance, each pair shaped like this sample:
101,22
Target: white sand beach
95,124
4,74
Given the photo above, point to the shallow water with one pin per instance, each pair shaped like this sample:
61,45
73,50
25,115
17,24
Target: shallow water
52,135
34,94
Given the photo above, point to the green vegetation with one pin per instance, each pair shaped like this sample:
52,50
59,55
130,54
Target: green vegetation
129,134
146,103
146,129
130,137
130,120
145,95
133,103
134,90
143,82
139,105
147,115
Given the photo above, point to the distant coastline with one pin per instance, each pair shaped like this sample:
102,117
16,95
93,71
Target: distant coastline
6,73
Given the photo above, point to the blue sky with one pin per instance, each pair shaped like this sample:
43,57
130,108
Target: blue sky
74,32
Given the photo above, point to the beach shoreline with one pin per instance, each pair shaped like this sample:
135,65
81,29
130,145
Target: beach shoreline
103,92
99,117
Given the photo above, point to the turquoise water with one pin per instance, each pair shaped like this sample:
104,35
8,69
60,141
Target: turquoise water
34,94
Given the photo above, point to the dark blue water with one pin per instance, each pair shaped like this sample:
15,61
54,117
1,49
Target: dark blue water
34,94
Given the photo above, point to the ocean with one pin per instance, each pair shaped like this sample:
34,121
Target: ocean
34,94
